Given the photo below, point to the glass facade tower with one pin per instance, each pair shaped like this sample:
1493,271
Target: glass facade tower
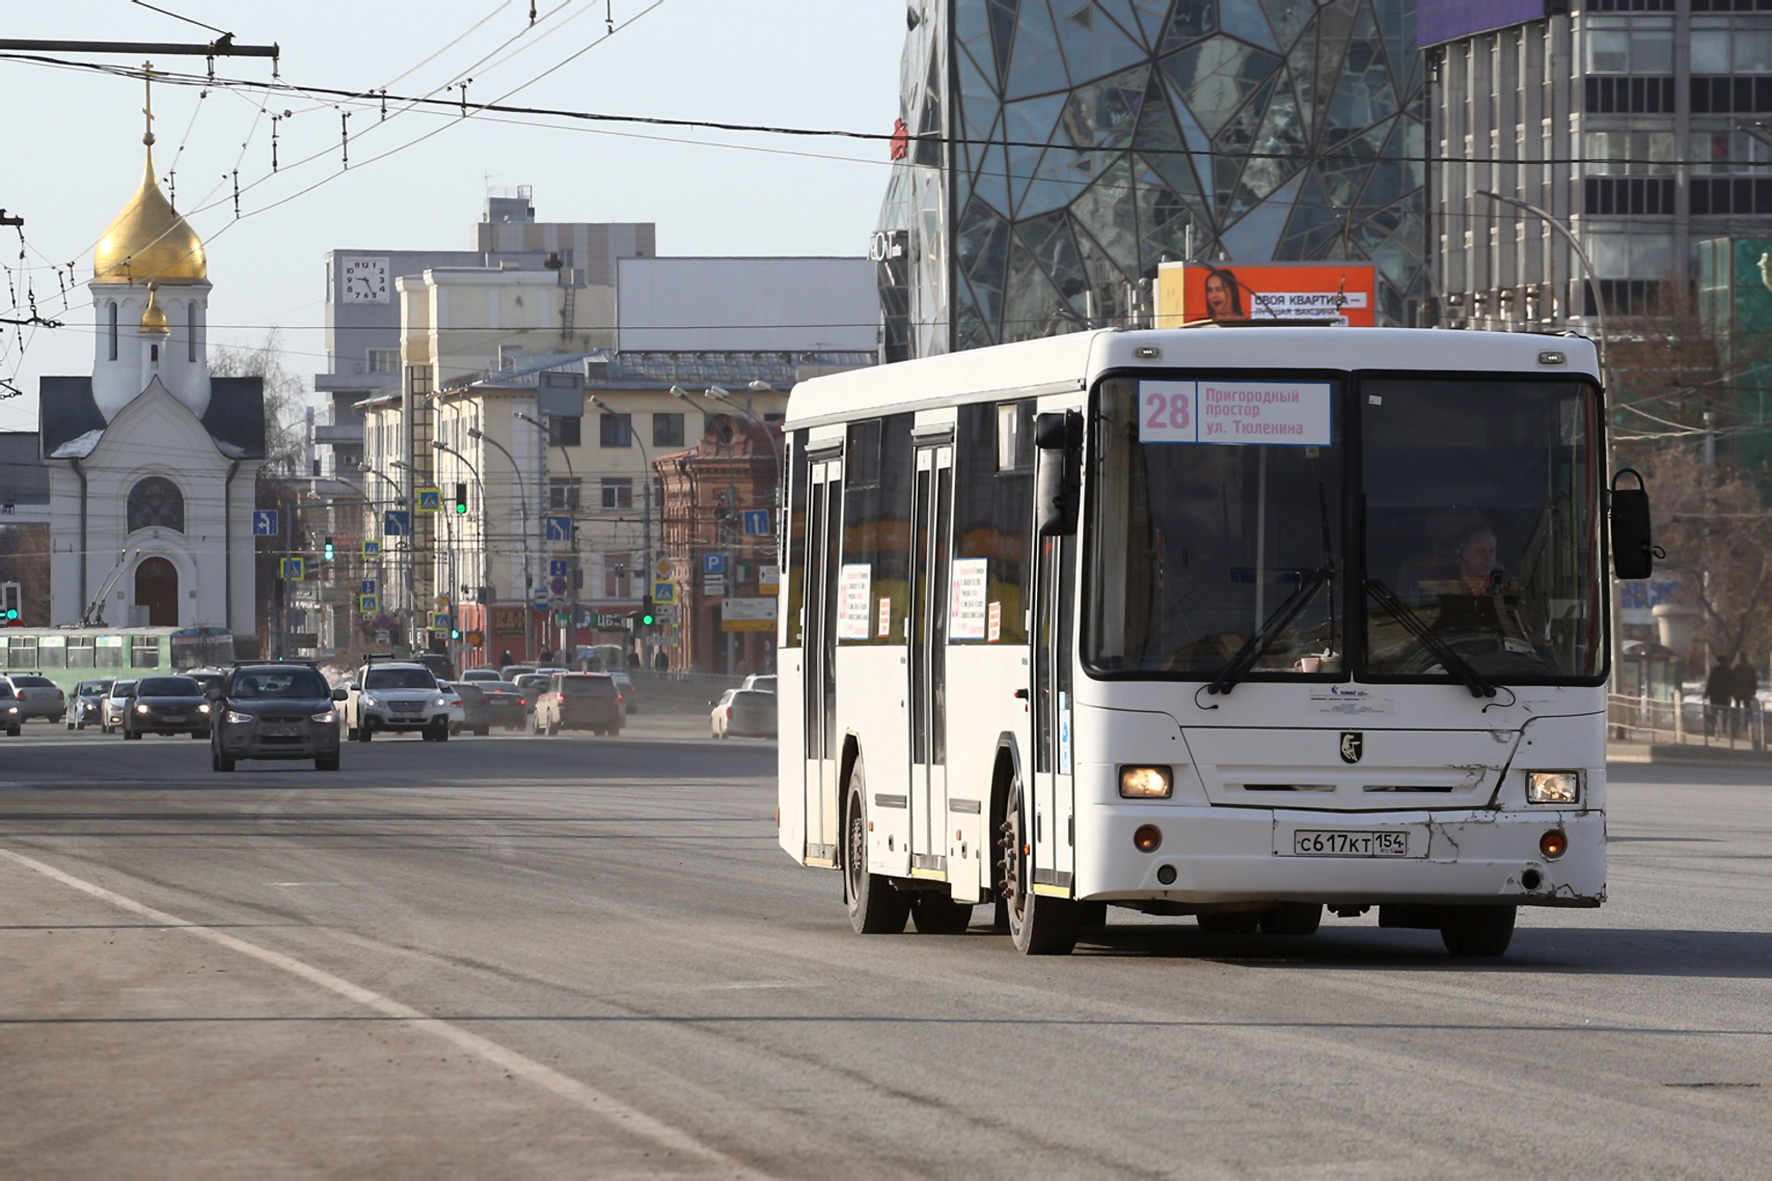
1057,150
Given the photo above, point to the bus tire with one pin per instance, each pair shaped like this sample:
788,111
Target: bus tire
875,906
938,914
1477,930
1293,918
1039,924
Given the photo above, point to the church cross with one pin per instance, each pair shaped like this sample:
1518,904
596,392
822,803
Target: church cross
148,110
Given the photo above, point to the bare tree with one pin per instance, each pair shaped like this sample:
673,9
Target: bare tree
285,401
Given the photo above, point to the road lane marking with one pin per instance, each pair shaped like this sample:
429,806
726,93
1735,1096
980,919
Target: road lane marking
548,1079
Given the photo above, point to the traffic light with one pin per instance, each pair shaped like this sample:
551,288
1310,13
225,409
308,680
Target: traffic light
647,616
461,498
12,598
455,633
327,551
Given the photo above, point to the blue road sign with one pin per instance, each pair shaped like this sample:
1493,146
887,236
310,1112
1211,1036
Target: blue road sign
559,528
396,522
713,563
540,595
559,568
756,522
295,569
366,587
664,594
368,604
264,522
371,548
430,500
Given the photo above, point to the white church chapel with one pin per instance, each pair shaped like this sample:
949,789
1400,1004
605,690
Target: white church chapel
152,463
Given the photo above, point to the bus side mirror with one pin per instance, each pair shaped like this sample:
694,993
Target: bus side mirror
1058,442
1633,548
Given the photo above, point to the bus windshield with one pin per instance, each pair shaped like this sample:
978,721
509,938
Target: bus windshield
1205,552
1482,527
1215,529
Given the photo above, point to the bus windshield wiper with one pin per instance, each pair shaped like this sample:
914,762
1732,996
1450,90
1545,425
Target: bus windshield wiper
1262,640
1455,664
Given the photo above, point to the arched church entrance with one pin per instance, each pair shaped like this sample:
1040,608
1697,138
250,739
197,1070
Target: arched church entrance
156,588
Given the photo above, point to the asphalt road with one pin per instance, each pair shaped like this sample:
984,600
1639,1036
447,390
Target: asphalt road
580,957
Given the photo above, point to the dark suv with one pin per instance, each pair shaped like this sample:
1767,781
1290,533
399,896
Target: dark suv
274,711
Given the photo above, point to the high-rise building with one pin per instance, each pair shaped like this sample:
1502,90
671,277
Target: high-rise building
1054,154
1629,126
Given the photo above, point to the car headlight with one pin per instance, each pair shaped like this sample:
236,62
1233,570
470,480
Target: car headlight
1553,787
236,717
371,702
441,701
1145,783
203,707
12,709
141,709
329,717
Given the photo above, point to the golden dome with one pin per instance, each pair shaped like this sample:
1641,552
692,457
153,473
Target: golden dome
149,240
154,316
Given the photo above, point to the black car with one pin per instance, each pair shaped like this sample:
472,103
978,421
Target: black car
274,711
507,706
166,705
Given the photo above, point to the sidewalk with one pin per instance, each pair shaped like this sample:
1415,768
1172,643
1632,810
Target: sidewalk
1685,755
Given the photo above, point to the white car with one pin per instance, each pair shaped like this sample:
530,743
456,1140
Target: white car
396,696
116,701
458,713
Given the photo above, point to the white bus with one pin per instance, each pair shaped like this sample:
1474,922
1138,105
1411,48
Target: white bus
1240,623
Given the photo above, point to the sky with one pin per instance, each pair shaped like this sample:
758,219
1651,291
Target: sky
74,153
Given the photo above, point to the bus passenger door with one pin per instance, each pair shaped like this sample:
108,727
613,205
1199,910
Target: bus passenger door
1054,610
926,637
824,749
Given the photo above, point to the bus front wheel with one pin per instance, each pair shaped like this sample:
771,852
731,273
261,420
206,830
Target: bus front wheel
1039,924
1477,930
875,908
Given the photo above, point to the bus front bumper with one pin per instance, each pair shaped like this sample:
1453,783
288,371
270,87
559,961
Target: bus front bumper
1216,855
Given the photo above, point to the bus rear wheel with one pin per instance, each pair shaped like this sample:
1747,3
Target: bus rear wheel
1477,930
875,907
1039,925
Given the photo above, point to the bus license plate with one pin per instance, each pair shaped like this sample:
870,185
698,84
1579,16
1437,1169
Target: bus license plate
1350,844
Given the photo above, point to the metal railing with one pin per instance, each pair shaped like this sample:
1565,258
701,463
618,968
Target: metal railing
1686,722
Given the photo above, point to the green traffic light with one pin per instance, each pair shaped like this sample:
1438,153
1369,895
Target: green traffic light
646,620
461,506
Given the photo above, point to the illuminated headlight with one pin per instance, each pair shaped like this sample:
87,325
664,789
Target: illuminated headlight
441,701
1553,787
203,708
12,709
141,709
1145,783
236,717
366,699
330,717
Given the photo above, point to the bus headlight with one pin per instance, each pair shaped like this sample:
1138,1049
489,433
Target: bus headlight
1553,787
1145,783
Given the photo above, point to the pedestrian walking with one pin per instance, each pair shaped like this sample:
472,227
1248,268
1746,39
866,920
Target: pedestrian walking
1719,694
1746,685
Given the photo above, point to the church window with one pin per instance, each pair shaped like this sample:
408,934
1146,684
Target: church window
192,325
113,308
156,502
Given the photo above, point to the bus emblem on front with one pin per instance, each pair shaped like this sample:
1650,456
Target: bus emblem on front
1353,744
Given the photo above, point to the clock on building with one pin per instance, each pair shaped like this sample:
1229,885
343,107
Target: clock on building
365,280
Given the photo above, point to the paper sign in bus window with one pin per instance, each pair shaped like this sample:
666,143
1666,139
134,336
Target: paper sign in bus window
853,593
1284,413
966,607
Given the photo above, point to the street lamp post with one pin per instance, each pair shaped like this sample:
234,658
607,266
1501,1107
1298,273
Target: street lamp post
646,645
1593,282
1587,268
475,432
571,484
486,586
406,580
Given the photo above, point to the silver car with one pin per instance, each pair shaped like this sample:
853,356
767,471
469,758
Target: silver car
110,718
85,704
38,697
